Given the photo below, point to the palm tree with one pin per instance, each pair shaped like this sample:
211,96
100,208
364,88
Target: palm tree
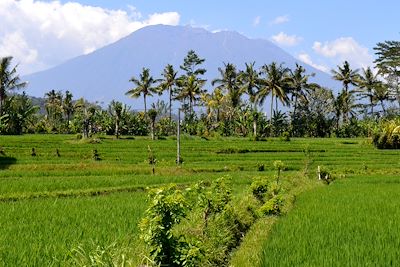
214,103
382,94
143,86
274,83
168,83
153,116
367,83
299,86
191,88
9,80
338,108
20,113
117,109
348,77
68,106
250,81
53,106
230,82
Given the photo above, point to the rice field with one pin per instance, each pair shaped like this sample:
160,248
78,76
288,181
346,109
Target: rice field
353,222
51,204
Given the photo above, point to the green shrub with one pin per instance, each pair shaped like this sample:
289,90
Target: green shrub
279,166
259,187
95,155
285,136
260,167
388,136
273,206
167,208
270,194
326,176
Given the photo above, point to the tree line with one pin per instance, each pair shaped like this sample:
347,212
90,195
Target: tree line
233,108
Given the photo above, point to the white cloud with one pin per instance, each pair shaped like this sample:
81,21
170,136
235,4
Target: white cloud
307,59
256,21
40,34
345,48
15,44
280,20
287,40
169,18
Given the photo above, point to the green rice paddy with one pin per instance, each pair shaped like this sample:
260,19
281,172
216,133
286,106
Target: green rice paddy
51,205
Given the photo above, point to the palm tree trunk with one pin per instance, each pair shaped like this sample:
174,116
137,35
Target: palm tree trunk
372,105
170,104
152,130
294,127
272,106
117,128
145,107
191,106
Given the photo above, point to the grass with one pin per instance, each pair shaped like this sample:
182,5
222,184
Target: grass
353,222
52,205
42,232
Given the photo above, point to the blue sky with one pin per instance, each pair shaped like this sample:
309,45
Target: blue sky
321,33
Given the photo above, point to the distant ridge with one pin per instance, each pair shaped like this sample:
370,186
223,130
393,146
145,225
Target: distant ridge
103,74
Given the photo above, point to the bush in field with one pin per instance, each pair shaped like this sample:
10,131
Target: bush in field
96,155
259,187
279,166
270,194
198,226
325,176
168,206
213,200
388,137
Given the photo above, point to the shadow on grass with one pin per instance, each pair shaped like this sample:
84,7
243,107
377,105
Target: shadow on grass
6,162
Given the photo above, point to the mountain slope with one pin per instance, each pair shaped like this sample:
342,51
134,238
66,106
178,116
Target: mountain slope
103,75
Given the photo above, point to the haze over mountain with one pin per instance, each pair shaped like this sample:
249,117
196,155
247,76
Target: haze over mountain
104,74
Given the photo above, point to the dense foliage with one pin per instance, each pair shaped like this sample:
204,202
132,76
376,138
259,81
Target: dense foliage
388,135
297,106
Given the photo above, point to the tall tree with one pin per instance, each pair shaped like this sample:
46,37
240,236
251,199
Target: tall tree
191,89
9,80
68,107
274,83
86,113
348,77
229,81
117,110
214,103
153,116
191,64
381,94
367,83
53,107
299,86
190,83
20,113
250,82
388,64
168,83
143,86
